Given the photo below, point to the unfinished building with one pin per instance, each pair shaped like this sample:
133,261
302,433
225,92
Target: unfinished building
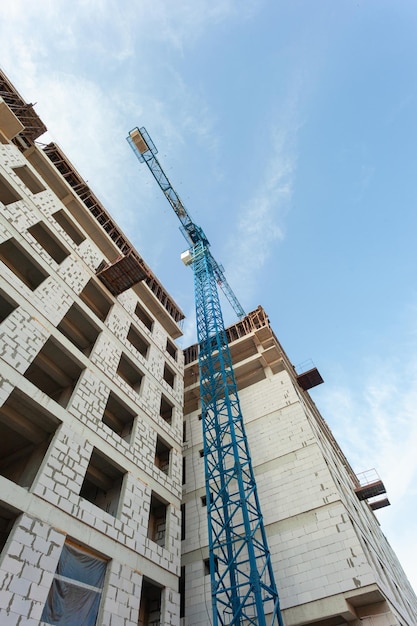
90,401
333,565
101,478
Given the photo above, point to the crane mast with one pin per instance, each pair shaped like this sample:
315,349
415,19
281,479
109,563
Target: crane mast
243,588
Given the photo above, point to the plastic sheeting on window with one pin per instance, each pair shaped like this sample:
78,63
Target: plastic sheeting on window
75,593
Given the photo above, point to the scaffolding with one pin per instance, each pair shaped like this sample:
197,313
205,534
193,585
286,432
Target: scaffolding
25,113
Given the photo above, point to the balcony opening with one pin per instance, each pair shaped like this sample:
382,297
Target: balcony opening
137,341
7,305
103,482
144,317
169,376
26,430
29,179
96,299
8,194
166,410
157,520
150,604
69,227
118,417
78,328
162,455
21,263
55,372
130,373
51,244
8,516
171,348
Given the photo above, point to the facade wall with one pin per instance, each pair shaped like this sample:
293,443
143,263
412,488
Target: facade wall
89,459
92,442
332,563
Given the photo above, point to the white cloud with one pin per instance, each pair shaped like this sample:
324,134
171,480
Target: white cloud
376,427
377,422
95,69
262,219
94,73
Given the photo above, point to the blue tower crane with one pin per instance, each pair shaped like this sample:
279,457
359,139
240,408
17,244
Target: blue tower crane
243,588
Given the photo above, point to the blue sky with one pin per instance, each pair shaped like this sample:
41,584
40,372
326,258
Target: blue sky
289,131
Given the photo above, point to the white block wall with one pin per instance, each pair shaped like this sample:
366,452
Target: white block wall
51,509
326,546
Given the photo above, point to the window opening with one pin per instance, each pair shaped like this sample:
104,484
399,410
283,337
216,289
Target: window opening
8,516
171,348
150,604
103,483
137,341
94,297
166,410
75,593
7,305
55,372
78,328
29,179
162,455
184,477
204,500
169,376
144,317
51,244
21,263
26,431
182,522
182,592
8,194
118,417
206,564
129,373
157,520
69,227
